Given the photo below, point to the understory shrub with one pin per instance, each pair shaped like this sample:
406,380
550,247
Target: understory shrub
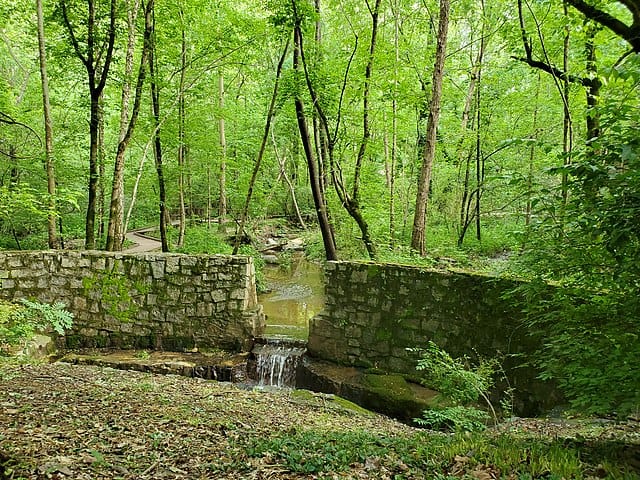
462,384
20,322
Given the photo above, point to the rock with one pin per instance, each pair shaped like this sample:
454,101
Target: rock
271,259
294,244
390,394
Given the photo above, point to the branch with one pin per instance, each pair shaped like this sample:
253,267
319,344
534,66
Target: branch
545,67
74,40
629,33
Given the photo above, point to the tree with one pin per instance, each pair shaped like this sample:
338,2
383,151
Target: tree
420,216
115,233
261,150
95,53
629,33
48,130
157,139
315,180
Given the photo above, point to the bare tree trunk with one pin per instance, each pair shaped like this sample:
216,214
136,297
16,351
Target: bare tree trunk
464,128
115,230
283,173
353,206
181,133
394,127
157,144
532,152
314,176
479,161
97,62
420,216
567,130
101,200
593,88
222,201
263,145
48,131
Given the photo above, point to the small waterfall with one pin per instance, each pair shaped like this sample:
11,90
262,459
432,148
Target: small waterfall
277,361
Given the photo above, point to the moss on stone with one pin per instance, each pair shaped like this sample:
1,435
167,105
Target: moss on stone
308,396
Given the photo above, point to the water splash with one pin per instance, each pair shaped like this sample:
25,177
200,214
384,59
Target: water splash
277,364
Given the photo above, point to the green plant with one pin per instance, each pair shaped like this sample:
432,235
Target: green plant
19,323
462,383
581,254
143,354
458,418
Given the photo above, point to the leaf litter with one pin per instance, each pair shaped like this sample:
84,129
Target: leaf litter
62,421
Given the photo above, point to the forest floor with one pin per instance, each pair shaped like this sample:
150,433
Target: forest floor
79,422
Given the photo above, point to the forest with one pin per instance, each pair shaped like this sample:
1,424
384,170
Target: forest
492,135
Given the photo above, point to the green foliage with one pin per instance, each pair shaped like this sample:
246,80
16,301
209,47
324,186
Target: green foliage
311,452
461,384
473,455
203,239
454,377
589,248
19,323
458,419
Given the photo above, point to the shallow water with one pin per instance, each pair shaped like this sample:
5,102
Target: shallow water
296,295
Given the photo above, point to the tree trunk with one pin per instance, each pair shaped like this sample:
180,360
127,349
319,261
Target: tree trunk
97,73
222,201
593,88
567,128
532,151
181,133
101,201
115,230
314,176
479,161
283,172
420,216
394,127
263,145
157,144
48,131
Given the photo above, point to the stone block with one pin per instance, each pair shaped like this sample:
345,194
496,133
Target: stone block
218,296
172,265
157,270
14,261
238,294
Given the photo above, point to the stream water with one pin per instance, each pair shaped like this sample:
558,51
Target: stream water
296,294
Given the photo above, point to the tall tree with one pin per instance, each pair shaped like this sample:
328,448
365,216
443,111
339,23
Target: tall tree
261,150
157,139
328,240
182,146
96,57
115,234
420,216
222,200
48,130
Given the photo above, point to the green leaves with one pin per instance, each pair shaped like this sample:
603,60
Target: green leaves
18,324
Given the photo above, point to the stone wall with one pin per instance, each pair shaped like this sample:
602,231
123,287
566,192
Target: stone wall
374,312
163,301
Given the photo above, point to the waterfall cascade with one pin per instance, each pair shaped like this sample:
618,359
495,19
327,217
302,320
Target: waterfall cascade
277,361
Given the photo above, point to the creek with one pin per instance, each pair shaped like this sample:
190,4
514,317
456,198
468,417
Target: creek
295,294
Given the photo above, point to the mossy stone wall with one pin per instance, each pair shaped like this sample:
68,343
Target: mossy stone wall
374,312
163,301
